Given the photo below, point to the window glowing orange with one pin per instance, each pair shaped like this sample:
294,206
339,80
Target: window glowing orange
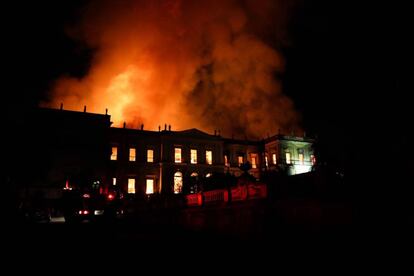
150,156
177,155
131,185
209,157
193,156
114,154
226,161
240,159
253,157
132,154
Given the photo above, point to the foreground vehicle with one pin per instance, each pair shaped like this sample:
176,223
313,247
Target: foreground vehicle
79,206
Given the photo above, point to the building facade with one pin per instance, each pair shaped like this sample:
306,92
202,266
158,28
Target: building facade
165,161
81,147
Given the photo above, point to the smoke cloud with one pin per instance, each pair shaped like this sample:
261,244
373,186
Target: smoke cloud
203,64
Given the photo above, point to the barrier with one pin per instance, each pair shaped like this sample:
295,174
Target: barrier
239,193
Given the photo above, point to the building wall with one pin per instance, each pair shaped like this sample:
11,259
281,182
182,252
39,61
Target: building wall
280,145
164,167
246,149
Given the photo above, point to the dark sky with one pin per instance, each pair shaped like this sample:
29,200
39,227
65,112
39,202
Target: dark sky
342,65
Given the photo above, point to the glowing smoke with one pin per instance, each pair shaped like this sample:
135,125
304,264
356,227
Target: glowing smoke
203,64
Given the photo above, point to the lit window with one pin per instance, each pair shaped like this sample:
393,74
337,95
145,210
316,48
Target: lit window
253,156
313,159
132,154
194,174
240,159
131,186
301,159
267,161
177,155
114,154
288,160
226,161
209,157
178,182
150,186
150,156
274,158
114,181
193,156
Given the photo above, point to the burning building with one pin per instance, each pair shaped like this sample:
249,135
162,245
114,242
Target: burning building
75,149
81,148
82,151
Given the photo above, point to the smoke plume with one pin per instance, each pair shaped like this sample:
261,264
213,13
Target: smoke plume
203,64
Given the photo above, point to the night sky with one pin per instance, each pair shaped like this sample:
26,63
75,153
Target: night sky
346,71
343,63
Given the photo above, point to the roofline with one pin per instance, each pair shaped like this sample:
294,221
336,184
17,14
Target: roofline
72,111
289,138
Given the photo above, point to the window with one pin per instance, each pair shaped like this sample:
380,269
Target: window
226,161
253,157
131,185
267,161
193,156
150,186
150,156
313,159
114,181
193,183
209,157
301,159
274,158
288,160
240,160
114,154
132,154
178,182
177,155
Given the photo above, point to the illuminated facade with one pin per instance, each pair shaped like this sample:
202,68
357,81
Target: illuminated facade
84,148
163,161
178,159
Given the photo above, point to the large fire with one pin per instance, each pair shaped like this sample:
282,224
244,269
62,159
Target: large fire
204,64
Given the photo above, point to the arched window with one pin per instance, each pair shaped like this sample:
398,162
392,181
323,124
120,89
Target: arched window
178,182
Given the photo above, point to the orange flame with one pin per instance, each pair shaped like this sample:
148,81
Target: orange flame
202,64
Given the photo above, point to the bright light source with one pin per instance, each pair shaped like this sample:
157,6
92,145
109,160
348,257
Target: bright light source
253,157
150,186
131,186
67,187
178,182
177,155
209,157
86,195
132,154
114,154
150,156
193,153
110,196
